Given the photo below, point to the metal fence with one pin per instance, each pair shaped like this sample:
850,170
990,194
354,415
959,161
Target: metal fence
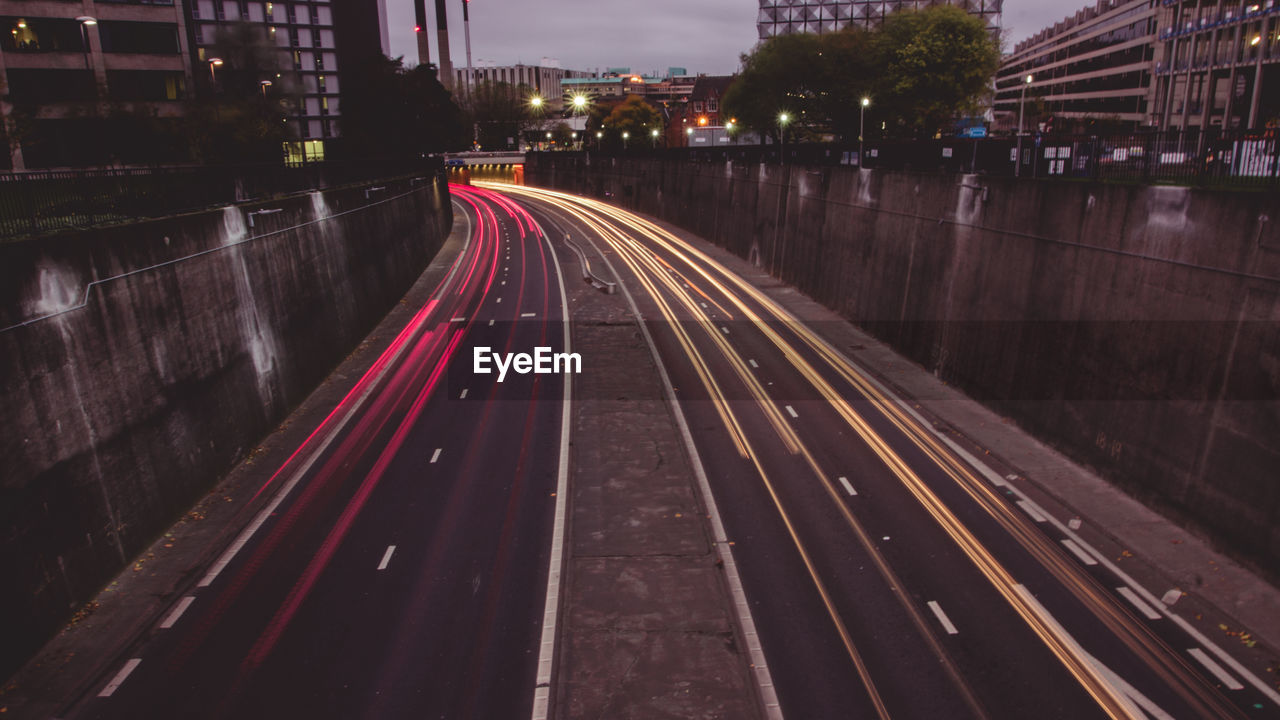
1235,158
33,203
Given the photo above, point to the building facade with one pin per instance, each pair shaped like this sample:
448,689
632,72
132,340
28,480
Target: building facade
1093,66
303,34
71,70
782,17
1218,64
544,79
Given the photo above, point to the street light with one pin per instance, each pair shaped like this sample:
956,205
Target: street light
783,119
653,134
264,84
862,123
535,102
1017,164
625,135
579,102
214,62
85,22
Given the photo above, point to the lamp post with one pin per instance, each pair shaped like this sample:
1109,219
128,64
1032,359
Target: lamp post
862,124
213,63
783,118
625,135
85,21
1017,164
264,84
653,143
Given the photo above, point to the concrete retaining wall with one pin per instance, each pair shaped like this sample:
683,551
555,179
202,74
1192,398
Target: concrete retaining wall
1135,328
139,363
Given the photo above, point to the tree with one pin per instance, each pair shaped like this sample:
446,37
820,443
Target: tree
634,116
920,69
500,111
389,111
937,63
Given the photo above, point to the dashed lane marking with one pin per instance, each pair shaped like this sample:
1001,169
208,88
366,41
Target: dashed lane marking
463,396
792,411
120,677
386,557
1079,552
1031,510
436,455
847,487
182,606
1213,667
942,618
1138,602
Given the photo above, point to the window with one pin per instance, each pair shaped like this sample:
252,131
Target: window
44,86
40,35
146,85
138,37
712,106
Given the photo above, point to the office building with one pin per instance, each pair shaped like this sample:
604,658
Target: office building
67,66
1093,66
1218,64
782,17
543,79
307,47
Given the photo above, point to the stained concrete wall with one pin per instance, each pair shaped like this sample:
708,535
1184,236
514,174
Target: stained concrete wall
139,363
1135,328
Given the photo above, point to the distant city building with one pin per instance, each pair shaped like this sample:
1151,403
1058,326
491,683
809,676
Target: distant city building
698,120
783,17
305,34
1095,64
61,63
609,86
545,79
1219,64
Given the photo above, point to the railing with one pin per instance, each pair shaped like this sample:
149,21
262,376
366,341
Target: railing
33,203
1235,158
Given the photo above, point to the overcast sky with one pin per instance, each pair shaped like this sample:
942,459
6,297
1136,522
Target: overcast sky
704,36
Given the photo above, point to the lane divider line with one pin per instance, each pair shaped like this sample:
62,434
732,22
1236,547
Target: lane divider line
792,411
1137,602
753,363
942,618
847,487
173,616
386,557
458,319
1214,668
463,395
1032,510
120,677
1079,552
435,455
528,314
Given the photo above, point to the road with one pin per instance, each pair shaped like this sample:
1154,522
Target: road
887,576
400,567
406,564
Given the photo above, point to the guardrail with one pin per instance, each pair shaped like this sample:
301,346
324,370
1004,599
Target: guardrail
1234,158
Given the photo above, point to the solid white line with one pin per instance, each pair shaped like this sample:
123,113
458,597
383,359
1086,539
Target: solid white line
458,319
942,618
1142,701
436,455
528,314
792,411
755,651
551,604
182,606
847,487
1079,552
753,363
1143,608
120,677
1031,510
463,396
1215,668
386,557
